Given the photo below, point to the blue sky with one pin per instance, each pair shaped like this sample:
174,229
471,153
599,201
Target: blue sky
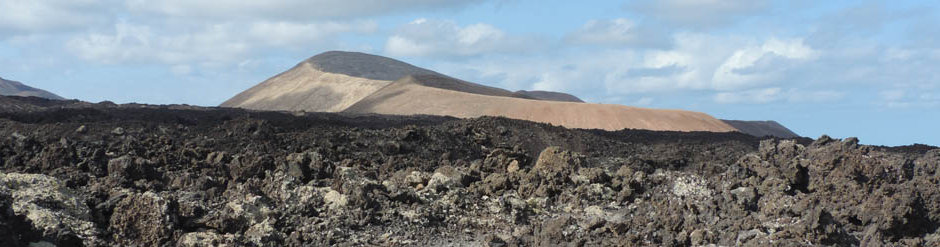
844,68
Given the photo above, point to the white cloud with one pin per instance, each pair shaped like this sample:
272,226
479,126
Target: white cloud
618,32
760,96
900,98
139,43
688,66
776,94
293,10
699,13
754,66
227,43
819,96
293,34
33,15
767,67
424,37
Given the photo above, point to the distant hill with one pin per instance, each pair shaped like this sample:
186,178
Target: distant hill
15,88
548,95
412,95
355,82
762,128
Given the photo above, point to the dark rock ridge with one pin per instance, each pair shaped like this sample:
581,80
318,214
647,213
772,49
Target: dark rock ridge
364,65
762,128
74,173
453,84
548,95
15,88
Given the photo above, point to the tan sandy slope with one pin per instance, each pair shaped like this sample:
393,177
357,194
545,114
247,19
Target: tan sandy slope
410,96
328,82
308,89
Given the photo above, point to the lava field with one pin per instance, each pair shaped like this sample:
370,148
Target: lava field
83,174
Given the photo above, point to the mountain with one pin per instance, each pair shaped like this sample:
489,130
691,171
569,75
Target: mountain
762,128
332,81
355,82
15,88
412,95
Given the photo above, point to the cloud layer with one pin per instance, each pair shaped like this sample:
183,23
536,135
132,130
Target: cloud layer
423,37
295,10
38,15
619,32
699,14
218,43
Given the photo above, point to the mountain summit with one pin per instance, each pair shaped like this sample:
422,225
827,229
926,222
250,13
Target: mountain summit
328,82
15,88
355,82
362,65
334,80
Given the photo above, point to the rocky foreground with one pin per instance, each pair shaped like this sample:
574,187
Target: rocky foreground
74,173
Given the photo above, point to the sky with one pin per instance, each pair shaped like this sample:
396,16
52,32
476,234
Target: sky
867,69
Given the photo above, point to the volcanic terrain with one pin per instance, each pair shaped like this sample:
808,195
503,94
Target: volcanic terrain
80,174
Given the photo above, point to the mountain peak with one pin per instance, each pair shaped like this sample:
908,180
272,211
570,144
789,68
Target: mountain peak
364,65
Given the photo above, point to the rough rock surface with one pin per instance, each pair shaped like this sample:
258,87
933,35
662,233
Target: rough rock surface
185,176
55,211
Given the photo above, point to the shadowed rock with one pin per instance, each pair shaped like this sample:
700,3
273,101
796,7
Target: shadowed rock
762,128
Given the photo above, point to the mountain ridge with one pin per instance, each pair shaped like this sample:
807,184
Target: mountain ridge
762,128
334,80
354,82
15,88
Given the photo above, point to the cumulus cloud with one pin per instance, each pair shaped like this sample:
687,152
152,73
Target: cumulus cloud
292,34
698,13
732,69
757,65
618,32
442,38
139,43
215,43
766,95
288,9
818,96
776,94
900,98
688,66
35,15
